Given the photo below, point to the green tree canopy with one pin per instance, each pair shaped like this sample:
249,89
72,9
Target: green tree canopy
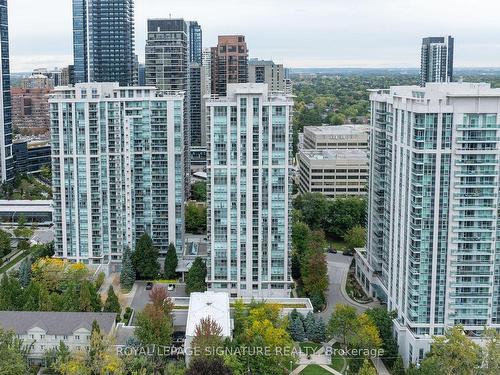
199,191
355,237
195,277
127,274
196,218
145,259
170,263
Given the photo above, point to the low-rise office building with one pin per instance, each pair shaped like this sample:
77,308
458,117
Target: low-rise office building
336,137
334,173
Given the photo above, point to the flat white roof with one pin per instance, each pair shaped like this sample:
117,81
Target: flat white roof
337,129
209,304
25,205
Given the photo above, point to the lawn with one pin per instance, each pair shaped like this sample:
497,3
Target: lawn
309,347
314,370
338,362
337,244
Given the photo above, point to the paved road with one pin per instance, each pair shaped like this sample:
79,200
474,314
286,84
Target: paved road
141,297
338,266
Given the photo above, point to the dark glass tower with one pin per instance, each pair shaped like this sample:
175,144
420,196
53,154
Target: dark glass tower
103,41
437,60
6,161
195,43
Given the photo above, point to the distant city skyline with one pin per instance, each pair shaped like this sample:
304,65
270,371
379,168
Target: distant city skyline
299,34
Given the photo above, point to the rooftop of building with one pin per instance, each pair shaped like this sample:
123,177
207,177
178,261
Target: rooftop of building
337,129
235,89
442,90
334,154
214,305
55,323
256,61
110,90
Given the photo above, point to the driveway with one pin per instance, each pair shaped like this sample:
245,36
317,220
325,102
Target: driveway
338,266
141,297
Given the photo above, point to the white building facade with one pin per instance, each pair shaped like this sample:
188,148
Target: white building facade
433,249
249,189
117,162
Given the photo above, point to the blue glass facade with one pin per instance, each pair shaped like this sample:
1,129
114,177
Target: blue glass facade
6,165
249,155
117,170
103,41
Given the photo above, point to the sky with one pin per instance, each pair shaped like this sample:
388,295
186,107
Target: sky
297,33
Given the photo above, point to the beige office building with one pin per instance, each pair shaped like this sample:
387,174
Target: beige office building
336,137
334,173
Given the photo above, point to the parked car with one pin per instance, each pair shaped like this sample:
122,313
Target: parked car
170,287
348,252
149,285
331,250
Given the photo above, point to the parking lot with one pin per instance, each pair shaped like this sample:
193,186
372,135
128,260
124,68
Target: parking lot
141,297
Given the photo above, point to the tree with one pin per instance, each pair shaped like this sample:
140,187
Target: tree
159,298
313,208
365,333
295,266
343,214
491,352
5,243
127,275
398,367
318,333
89,300
145,258
207,337
195,277
56,356
337,119
199,191
355,237
12,361
453,353
315,275
11,294
112,304
342,323
155,322
154,327
196,218
171,263
297,329
208,366
318,301
383,320
100,358
309,322
25,272
367,368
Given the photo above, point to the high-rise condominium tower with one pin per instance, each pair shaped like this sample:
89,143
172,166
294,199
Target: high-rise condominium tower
6,162
117,162
230,63
266,71
169,49
249,190
437,60
103,41
433,246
